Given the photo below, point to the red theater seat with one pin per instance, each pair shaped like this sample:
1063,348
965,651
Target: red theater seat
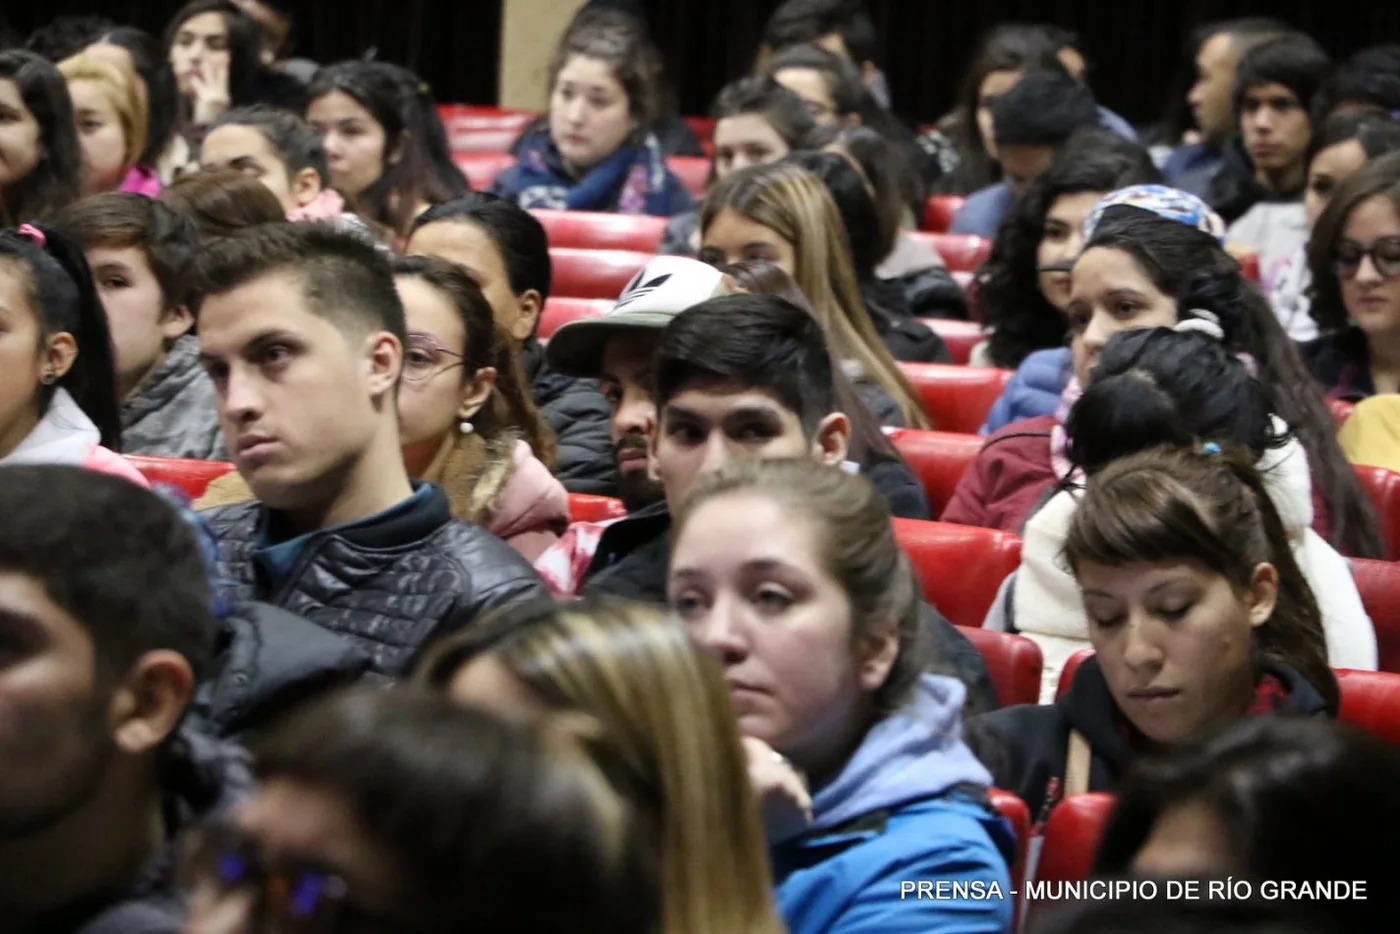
1019,817
590,230
584,507
1013,664
1072,836
1341,411
939,211
962,252
938,459
500,140
1371,700
1071,666
959,567
594,273
1379,585
960,336
481,168
560,311
192,476
702,127
693,171
956,398
1383,488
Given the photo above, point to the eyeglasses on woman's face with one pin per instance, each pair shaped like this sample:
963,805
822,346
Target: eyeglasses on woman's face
1384,254
424,358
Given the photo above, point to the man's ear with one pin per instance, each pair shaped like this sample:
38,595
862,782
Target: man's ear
531,306
176,322
832,439
305,186
385,357
151,700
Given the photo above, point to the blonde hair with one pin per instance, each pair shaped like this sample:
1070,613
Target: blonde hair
122,94
795,205
667,713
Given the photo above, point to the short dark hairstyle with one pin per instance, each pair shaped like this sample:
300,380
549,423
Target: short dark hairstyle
760,342
474,810
1370,78
1042,109
53,182
220,202
518,235
842,78
119,220
65,36
343,276
117,558
1294,60
783,110
801,21
299,146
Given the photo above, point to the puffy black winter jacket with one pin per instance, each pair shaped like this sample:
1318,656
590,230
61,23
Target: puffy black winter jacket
579,416
391,587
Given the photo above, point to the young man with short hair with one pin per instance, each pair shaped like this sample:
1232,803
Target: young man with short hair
303,335
139,251
105,611
842,27
1030,123
279,149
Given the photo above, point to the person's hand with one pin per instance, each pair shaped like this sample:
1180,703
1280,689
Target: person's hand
209,90
784,801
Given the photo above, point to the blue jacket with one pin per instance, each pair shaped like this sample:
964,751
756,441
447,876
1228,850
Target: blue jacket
1034,389
902,811
1191,166
982,212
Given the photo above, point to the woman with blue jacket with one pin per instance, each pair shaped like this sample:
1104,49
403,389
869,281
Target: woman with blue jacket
787,570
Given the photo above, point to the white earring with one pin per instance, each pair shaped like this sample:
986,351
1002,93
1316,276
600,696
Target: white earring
465,427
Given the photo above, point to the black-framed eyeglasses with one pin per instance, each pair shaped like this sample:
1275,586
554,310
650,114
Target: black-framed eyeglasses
424,358
1384,254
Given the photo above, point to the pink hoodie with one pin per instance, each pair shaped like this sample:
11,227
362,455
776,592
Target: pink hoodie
141,181
532,510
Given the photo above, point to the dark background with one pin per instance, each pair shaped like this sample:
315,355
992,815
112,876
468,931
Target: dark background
1135,47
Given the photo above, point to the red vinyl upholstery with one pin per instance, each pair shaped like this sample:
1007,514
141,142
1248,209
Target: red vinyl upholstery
560,311
1371,700
585,507
956,398
1072,836
594,273
960,336
1013,664
938,459
939,211
702,127
962,252
693,171
959,567
1341,410
1379,585
1071,666
1019,817
192,476
480,168
591,230
1383,488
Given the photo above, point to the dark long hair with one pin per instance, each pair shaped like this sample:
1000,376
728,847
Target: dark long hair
1191,267
244,43
53,182
1379,177
61,292
518,235
1021,318
152,64
401,103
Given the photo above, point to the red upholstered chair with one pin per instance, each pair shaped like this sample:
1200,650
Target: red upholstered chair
496,139
960,336
1383,488
939,211
962,252
560,311
1371,700
1072,836
702,127
191,476
1341,410
1013,664
481,168
938,459
1019,817
956,398
959,567
584,507
1071,666
594,273
693,171
1379,585
590,230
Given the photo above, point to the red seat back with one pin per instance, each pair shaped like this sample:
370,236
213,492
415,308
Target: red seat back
958,566
939,459
962,252
1019,817
560,311
496,140
1067,672
702,127
1371,700
1383,488
939,211
1379,585
1013,664
956,398
1341,410
594,273
585,507
960,336
589,230
481,168
191,476
693,171
1072,835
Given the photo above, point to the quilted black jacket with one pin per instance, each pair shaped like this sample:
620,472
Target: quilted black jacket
391,587
579,416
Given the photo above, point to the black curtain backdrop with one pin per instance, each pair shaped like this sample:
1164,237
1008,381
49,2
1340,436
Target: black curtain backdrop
1136,49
